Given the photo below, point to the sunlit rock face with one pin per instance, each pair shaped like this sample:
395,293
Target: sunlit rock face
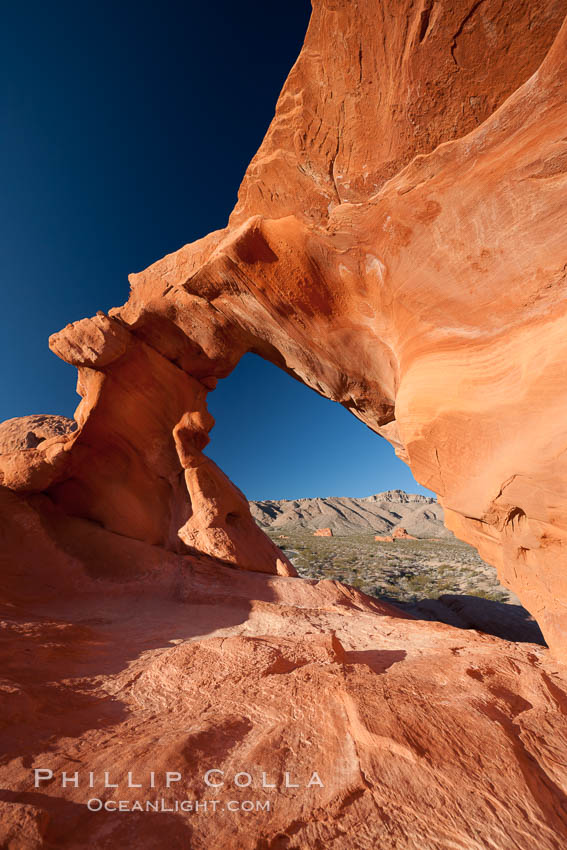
398,245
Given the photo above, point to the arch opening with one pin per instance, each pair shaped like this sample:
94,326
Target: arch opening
341,506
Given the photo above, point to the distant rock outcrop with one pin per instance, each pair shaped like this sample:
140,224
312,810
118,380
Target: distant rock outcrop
323,532
398,534
420,516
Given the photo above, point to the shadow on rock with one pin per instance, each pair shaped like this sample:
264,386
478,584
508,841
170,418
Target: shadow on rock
71,822
377,659
501,619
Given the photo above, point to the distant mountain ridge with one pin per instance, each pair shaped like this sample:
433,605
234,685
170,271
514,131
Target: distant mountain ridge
382,513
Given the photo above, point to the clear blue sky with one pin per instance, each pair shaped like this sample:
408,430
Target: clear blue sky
128,127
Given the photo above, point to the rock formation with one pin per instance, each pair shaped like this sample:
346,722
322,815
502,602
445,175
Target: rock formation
398,245
323,532
134,463
373,253
398,534
122,657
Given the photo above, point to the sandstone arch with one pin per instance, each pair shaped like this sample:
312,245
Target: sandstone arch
398,245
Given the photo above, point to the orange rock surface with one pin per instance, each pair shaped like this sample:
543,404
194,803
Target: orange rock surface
399,246
323,532
397,534
428,301
120,657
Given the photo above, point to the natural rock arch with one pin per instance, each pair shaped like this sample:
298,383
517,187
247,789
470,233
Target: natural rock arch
398,245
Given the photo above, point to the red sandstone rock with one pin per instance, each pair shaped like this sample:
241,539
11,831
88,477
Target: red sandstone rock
22,827
401,534
408,299
27,432
397,534
323,532
123,657
220,524
32,449
398,245
128,464
380,267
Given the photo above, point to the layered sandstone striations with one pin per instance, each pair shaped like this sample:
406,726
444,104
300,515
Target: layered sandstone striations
430,302
398,245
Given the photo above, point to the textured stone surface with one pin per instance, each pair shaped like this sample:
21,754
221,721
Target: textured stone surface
134,463
22,827
432,304
421,515
32,449
220,524
323,532
399,246
27,432
423,735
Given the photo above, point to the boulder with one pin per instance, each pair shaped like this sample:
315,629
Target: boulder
397,534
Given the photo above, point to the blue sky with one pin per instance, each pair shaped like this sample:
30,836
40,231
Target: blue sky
277,439
128,127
